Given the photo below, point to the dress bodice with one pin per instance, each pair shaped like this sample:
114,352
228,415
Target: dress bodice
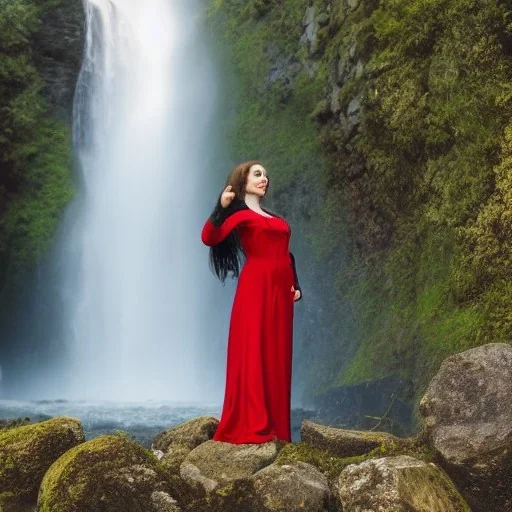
264,241
265,237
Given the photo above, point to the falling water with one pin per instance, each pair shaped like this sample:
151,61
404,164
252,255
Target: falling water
142,109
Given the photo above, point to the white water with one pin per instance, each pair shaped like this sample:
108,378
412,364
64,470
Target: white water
143,105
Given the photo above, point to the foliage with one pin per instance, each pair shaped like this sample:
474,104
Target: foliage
35,150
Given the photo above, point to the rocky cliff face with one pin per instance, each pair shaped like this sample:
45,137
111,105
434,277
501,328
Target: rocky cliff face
58,48
387,131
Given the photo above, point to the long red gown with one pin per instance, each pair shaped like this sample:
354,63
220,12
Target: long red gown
257,397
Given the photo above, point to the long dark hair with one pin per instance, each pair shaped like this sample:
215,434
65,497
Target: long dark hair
226,256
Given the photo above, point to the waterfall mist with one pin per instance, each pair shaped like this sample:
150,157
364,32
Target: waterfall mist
134,289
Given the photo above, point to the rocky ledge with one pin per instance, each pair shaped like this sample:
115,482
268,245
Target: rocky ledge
460,461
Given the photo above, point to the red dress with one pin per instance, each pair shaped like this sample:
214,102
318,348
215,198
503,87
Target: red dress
257,397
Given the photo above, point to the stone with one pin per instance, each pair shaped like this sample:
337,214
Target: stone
215,464
172,445
58,49
353,107
26,453
291,488
342,442
334,98
162,502
190,433
467,410
398,484
109,472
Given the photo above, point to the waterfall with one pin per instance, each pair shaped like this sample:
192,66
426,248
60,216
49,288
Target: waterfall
143,107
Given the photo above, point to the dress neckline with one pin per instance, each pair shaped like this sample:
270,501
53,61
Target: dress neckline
265,216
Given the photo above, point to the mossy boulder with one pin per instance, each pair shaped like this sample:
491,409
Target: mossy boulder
26,453
215,464
172,445
14,422
109,472
467,410
291,488
342,442
398,484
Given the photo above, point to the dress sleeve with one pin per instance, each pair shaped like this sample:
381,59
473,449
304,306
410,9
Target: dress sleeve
296,284
219,225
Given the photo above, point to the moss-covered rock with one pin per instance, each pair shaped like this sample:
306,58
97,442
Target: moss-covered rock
214,464
342,442
172,445
26,453
398,484
468,417
292,488
110,473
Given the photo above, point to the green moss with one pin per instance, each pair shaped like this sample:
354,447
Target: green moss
331,465
28,451
110,471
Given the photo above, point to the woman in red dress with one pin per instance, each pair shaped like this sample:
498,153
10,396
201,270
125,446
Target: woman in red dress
257,397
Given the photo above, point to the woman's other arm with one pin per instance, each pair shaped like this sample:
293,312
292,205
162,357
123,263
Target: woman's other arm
296,284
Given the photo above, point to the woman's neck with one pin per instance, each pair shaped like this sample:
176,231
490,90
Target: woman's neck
253,202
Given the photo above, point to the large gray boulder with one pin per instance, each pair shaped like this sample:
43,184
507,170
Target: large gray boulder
398,484
172,445
468,416
291,488
214,464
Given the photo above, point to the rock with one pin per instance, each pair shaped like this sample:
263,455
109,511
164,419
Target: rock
359,69
190,433
214,464
398,484
14,422
174,444
285,69
352,51
353,4
282,73
162,502
468,418
109,472
334,98
27,452
353,107
311,23
291,487
341,442
58,48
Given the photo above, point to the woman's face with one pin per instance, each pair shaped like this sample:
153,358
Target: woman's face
257,181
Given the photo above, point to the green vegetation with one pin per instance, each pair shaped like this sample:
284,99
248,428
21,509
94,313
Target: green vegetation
409,245
35,149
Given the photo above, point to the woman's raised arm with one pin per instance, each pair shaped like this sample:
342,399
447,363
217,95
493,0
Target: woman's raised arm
219,225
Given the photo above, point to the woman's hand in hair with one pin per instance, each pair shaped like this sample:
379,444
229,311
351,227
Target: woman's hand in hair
227,196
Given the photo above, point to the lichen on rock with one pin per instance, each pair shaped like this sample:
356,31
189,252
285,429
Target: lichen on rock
110,473
26,453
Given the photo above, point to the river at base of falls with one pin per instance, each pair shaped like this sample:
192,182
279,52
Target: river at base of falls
141,420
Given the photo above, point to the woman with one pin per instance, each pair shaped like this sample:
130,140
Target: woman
259,355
